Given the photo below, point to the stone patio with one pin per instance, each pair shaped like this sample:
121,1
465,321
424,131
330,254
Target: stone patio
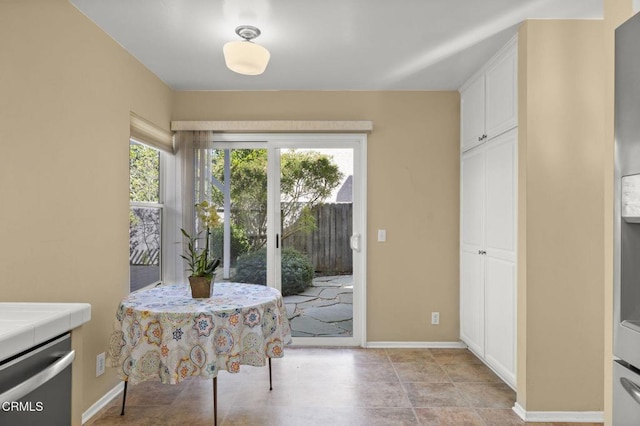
323,310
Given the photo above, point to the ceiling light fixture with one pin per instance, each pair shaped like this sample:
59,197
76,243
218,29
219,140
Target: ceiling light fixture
246,57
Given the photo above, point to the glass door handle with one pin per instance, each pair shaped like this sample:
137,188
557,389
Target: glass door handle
354,242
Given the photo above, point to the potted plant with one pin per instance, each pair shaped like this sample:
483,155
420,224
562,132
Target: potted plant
200,261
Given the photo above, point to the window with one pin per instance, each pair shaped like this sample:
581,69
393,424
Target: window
145,216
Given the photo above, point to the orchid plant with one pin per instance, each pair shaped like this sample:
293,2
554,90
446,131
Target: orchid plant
200,262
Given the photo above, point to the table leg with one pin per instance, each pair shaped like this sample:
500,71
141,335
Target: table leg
270,383
124,397
215,401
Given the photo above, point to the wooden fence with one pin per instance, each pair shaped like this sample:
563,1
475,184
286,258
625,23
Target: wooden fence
328,246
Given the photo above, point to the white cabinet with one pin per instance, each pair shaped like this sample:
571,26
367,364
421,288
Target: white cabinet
472,117
488,101
472,271
488,226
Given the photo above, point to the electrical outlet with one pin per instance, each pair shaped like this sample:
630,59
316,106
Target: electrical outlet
435,318
100,364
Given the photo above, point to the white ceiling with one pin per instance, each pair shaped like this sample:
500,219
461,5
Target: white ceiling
325,44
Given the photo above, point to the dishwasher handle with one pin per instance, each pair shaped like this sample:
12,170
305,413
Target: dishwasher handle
632,389
38,379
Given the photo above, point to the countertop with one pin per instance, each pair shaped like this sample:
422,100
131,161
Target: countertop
23,325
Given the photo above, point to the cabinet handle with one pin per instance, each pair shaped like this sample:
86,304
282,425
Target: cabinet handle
482,252
479,138
484,136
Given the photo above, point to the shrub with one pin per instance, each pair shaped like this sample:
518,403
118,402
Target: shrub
297,271
239,242
252,268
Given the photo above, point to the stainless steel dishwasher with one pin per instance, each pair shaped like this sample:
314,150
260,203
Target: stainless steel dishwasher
35,385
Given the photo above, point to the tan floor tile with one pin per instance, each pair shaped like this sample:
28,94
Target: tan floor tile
421,372
500,417
152,393
488,395
381,395
448,416
561,424
384,417
194,413
367,373
320,416
434,395
470,373
327,394
345,373
410,355
312,353
330,386
454,356
135,415
359,355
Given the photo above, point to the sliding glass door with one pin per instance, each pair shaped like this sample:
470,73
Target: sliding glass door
292,208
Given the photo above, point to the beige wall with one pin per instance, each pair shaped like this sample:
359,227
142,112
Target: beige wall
615,13
66,93
413,187
560,288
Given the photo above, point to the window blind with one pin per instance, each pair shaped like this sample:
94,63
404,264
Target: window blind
146,132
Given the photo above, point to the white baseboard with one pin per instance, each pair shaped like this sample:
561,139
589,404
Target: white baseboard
559,416
102,402
416,345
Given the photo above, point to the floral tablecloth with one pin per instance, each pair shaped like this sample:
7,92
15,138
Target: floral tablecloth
164,334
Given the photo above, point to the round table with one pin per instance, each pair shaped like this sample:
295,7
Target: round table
164,334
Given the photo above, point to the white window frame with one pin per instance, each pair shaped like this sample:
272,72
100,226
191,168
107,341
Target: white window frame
166,203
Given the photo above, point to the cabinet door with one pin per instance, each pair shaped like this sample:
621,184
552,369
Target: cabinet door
501,86
472,301
472,114
501,192
471,243
500,317
500,260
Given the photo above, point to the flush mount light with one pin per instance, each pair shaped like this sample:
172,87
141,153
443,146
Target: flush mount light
246,57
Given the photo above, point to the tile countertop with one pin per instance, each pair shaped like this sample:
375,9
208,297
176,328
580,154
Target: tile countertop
24,325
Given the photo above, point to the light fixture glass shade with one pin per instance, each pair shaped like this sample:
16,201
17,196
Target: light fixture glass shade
246,57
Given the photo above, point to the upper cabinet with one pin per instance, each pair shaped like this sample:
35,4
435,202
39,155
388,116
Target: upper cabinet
489,100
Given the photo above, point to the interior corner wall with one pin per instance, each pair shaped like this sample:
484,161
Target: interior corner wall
413,192
563,169
67,90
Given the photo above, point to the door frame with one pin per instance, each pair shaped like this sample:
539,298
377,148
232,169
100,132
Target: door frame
276,141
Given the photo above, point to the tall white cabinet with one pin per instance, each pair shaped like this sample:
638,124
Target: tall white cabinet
488,214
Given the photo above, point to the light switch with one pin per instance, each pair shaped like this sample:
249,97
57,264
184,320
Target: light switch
382,235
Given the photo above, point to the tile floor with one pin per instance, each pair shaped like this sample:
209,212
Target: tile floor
332,386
